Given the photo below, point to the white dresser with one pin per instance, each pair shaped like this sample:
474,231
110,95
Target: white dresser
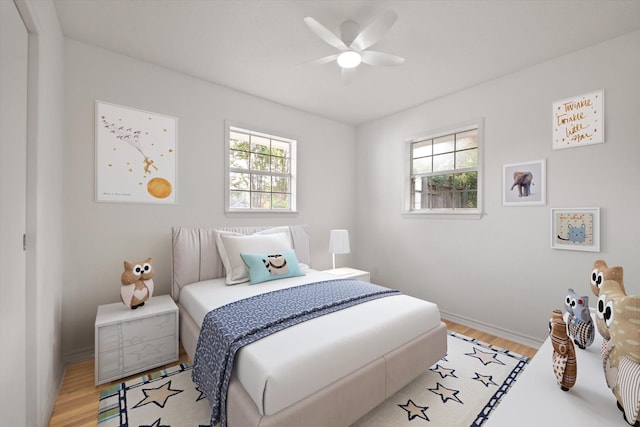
536,399
130,341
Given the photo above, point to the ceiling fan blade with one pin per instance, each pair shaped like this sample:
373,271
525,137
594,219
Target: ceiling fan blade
323,60
324,34
348,75
380,58
374,32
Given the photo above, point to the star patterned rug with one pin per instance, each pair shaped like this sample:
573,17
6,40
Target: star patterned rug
461,389
166,398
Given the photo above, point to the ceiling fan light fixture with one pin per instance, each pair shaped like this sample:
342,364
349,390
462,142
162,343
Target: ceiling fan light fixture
354,43
349,59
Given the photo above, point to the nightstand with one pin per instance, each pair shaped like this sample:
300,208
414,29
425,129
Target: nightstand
130,341
350,273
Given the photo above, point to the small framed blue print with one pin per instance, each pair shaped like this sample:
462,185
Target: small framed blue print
576,229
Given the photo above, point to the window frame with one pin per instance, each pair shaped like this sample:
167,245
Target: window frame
230,126
466,213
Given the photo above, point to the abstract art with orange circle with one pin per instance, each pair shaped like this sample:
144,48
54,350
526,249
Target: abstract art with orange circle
135,155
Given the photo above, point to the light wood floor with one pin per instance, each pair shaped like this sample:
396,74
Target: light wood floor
77,402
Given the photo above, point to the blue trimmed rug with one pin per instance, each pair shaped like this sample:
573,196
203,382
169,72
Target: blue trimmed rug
462,389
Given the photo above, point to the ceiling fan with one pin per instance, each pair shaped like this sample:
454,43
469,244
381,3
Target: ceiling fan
353,44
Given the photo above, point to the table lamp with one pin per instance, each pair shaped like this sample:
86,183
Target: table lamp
338,244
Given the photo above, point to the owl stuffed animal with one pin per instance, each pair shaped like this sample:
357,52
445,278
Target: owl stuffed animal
601,273
620,314
579,320
137,283
564,353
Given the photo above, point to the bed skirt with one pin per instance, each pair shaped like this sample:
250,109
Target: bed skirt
346,400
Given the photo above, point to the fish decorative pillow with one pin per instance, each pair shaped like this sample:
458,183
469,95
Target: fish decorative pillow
137,283
265,267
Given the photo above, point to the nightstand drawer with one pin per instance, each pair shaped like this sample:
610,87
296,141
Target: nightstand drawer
135,358
135,331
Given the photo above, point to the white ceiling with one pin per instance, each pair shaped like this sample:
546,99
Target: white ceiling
260,46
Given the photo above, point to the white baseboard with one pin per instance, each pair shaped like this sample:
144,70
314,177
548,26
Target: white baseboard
78,356
493,330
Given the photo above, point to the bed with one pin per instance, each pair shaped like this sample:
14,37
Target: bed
326,371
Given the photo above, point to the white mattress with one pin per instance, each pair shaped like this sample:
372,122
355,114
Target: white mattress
290,365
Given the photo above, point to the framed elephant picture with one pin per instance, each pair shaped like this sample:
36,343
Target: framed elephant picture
524,184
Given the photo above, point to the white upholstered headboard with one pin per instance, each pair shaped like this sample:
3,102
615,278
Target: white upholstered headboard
195,255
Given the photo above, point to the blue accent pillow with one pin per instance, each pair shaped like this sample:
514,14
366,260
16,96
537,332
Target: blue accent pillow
264,267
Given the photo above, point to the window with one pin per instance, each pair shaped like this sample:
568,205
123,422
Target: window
260,172
444,173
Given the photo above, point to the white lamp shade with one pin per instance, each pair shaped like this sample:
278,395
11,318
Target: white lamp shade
339,242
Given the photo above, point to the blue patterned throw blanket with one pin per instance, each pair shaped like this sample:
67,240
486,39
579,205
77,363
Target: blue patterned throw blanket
228,328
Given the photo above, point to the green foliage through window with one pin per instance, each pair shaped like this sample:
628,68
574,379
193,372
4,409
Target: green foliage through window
260,171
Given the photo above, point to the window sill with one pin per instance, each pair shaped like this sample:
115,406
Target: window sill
245,213
443,214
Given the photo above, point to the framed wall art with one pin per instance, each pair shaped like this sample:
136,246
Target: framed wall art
524,184
135,155
575,229
578,121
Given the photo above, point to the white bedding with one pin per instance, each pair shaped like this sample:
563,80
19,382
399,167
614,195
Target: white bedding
288,366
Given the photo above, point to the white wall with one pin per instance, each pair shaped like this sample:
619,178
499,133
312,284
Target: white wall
100,236
500,270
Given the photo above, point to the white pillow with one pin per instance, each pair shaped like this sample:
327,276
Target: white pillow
231,245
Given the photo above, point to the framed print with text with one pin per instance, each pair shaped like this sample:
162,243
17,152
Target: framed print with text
578,121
